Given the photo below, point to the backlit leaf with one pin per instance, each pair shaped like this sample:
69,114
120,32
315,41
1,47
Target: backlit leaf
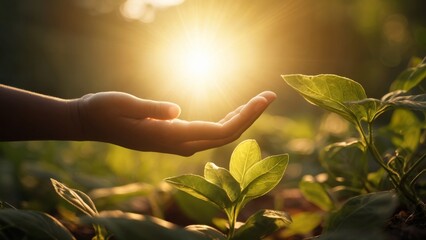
303,223
200,188
316,193
410,78
332,92
406,129
222,178
261,224
367,109
264,175
245,155
75,197
413,102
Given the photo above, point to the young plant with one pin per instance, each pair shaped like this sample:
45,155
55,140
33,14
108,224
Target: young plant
399,158
81,201
120,225
248,177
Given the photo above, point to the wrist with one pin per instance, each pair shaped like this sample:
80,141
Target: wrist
76,119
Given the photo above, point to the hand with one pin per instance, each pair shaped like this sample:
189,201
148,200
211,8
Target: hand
147,125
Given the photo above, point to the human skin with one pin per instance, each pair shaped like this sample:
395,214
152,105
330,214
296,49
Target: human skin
122,119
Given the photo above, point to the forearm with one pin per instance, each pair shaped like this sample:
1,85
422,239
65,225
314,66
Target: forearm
30,116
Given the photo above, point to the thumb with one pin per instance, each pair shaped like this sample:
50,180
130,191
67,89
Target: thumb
157,109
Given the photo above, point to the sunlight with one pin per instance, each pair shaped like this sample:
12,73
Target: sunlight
200,63
145,10
199,66
208,57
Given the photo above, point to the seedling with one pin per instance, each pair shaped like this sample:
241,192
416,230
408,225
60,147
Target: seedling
248,177
81,201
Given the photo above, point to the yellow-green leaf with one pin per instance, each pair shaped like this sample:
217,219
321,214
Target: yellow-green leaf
334,93
264,175
223,179
202,189
316,193
245,155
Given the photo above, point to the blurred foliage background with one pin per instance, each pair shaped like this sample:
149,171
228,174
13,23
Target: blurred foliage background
69,48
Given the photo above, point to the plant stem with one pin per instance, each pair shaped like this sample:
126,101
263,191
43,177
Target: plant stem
232,221
98,232
369,142
393,175
413,167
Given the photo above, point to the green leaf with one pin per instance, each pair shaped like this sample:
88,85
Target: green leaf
124,226
303,224
245,155
406,129
410,78
332,92
75,197
202,189
379,180
264,175
346,162
374,208
398,100
24,224
211,233
367,109
261,224
223,179
363,216
196,209
316,193
79,200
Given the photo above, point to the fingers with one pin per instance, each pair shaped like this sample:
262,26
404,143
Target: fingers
187,137
142,108
268,95
234,124
249,113
195,130
231,114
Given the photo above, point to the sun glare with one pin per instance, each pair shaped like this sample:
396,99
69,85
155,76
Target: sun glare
200,63
207,55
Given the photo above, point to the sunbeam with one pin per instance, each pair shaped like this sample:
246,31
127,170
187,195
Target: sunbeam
212,52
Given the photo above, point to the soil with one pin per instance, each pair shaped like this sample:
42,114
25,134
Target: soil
406,226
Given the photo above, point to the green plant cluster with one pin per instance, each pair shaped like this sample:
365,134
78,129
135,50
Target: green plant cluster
249,177
396,148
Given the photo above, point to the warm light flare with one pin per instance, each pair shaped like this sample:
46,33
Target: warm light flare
200,63
206,56
199,66
145,10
